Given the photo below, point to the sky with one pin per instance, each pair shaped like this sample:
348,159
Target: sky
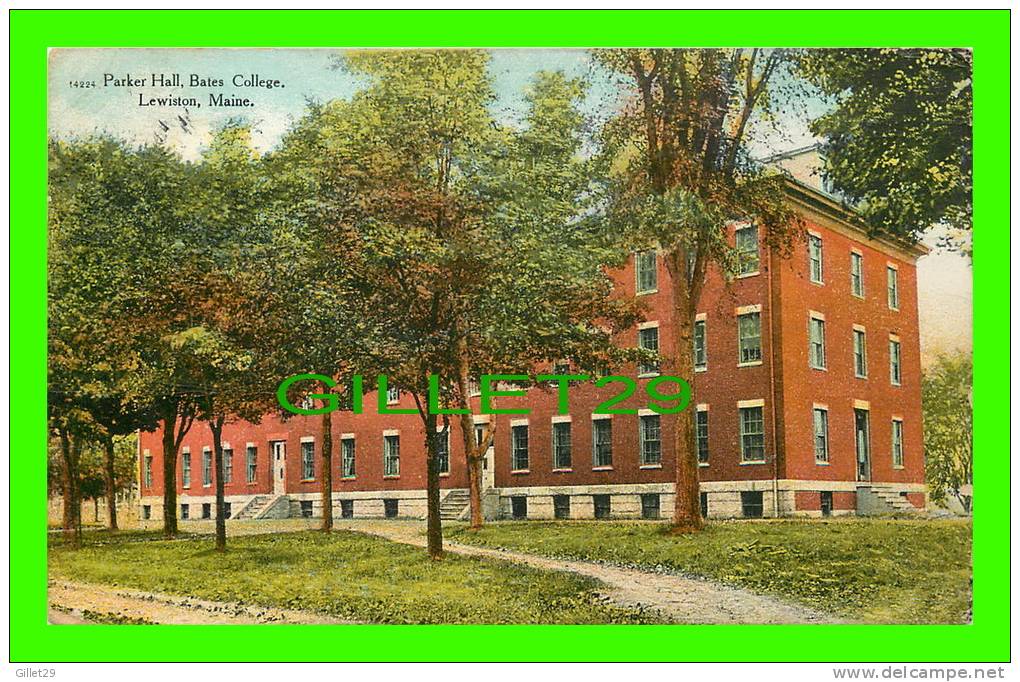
95,91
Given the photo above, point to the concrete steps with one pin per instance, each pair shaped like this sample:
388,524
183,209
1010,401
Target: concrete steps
455,505
875,499
265,506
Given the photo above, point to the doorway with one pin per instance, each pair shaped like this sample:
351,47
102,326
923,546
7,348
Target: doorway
862,441
279,463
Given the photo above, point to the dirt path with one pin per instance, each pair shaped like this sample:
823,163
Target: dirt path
134,605
678,598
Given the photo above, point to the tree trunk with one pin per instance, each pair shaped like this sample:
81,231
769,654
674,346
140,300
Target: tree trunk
111,485
216,426
95,509
687,512
473,452
327,471
72,504
434,522
169,473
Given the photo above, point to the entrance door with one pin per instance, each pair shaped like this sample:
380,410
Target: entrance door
488,465
861,437
279,466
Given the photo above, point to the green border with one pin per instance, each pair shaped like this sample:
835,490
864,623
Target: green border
32,32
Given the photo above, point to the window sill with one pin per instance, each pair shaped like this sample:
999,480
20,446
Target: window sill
755,363
859,297
816,283
821,463
703,464
391,477
820,369
650,466
647,292
516,472
861,376
444,475
744,464
899,466
648,375
895,310
308,480
604,468
748,274
703,368
348,478
563,471
894,384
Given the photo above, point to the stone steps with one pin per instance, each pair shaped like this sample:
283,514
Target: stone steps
453,505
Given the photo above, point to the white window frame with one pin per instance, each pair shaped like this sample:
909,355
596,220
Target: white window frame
595,466
348,438
813,239
186,458
897,457
892,285
643,369
701,319
556,421
207,466
815,316
644,414
895,377
859,332
387,435
740,312
251,468
824,411
856,257
637,272
757,250
747,405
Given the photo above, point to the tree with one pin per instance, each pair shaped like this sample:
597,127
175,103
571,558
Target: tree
898,140
684,174
948,428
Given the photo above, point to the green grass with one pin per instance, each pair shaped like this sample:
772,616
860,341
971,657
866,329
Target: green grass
345,575
881,571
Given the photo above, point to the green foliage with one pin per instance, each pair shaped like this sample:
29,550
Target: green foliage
91,466
949,427
898,142
876,571
344,574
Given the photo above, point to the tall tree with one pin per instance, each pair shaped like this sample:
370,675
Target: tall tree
680,147
898,138
949,428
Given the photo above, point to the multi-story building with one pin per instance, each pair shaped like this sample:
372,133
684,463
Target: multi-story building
807,400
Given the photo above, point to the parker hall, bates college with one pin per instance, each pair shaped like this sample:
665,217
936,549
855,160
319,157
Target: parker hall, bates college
807,399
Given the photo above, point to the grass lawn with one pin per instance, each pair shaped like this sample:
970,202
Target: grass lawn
346,575
881,571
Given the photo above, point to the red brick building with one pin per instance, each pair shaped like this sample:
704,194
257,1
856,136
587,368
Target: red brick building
807,396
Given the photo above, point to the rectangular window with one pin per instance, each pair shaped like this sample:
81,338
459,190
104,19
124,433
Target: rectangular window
646,273
749,338
651,439
228,465
185,511
307,460
704,505
894,362
897,443
751,504
391,455
602,442
816,343
648,339
701,434
821,428
519,507
306,509
700,346
519,447
392,395
206,467
857,274
251,457
826,502
206,510
815,257
561,506
892,277
347,468
346,509
391,508
186,469
146,512
752,434
603,506
561,445
650,505
746,241
860,354
148,471
443,451
227,510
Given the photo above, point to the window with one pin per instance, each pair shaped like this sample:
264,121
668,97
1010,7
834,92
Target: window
347,468
821,429
306,509
648,339
701,434
206,510
752,434
602,442
206,467
650,505
146,512
251,456
749,338
860,354
307,460
561,506
704,505
185,511
897,443
894,362
228,465
700,347
746,241
186,469
519,447
826,502
391,508
561,445
816,342
856,274
519,507
561,367
645,271
346,509
603,507
443,451
815,258
391,455
148,470
227,510
392,395
892,278
651,439
751,505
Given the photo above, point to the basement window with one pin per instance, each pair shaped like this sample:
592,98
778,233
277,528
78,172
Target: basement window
207,510
603,507
306,509
146,512
227,509
185,511
704,505
519,507
650,506
751,504
346,509
561,506
391,508
826,502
